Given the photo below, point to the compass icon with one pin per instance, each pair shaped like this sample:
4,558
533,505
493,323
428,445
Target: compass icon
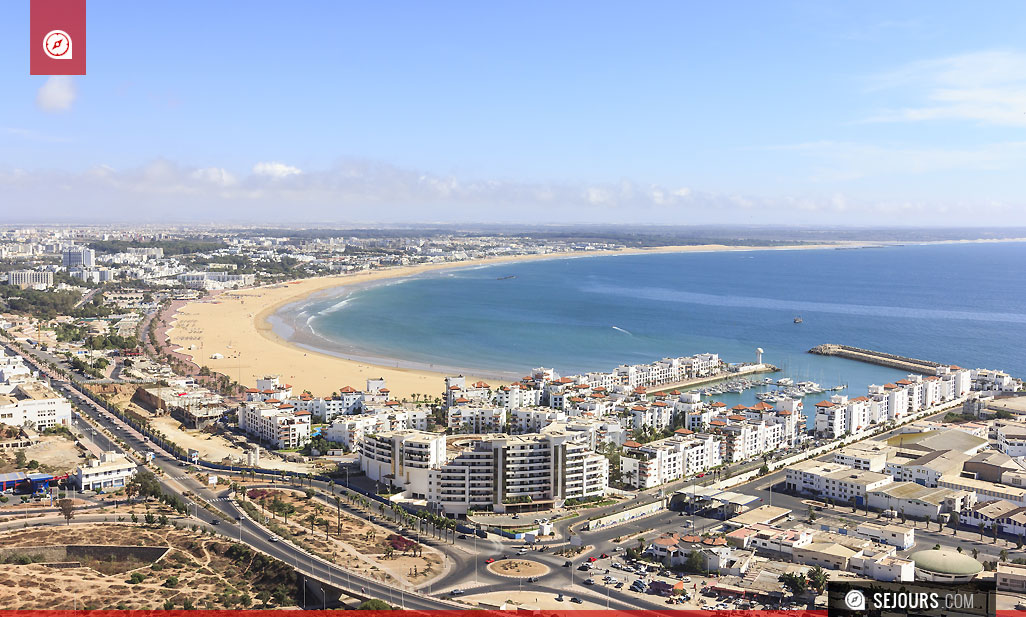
57,45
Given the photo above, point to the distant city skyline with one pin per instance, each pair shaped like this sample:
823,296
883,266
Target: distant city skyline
665,113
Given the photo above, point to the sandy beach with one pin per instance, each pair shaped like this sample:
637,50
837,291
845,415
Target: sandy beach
235,325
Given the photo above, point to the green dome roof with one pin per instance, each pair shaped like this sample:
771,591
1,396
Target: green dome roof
943,561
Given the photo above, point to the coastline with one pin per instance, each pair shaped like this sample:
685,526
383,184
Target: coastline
237,324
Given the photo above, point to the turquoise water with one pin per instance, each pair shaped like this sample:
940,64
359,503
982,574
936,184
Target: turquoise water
961,304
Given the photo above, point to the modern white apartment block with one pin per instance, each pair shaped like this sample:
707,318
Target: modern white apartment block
349,430
33,403
111,471
402,459
656,463
282,426
269,388
463,418
534,419
511,472
30,279
215,280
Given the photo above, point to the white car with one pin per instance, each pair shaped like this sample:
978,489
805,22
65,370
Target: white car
272,538
686,579
618,549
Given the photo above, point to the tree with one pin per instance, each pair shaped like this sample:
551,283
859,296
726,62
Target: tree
980,526
67,508
1003,555
811,514
795,583
694,562
818,578
374,605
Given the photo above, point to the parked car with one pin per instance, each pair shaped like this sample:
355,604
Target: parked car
603,556
463,536
567,563
490,560
576,600
589,581
456,592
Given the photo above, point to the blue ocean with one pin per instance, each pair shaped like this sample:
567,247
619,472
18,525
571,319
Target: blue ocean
954,303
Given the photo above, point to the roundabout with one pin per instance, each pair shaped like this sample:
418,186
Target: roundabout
518,568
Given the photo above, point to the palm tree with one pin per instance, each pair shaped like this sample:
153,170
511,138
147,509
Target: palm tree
980,526
818,578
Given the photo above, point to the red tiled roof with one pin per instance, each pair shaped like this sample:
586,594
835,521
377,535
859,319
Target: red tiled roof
659,404
631,444
718,423
285,406
717,404
302,413
783,413
824,404
251,390
735,417
462,400
638,408
739,408
348,390
683,431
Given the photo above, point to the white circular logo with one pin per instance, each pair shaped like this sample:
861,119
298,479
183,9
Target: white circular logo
855,600
57,45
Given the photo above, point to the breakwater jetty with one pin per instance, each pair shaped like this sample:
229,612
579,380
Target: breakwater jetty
914,365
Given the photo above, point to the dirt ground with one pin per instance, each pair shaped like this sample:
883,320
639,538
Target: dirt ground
54,453
518,568
207,572
361,546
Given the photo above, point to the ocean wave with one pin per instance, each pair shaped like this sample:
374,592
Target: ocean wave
800,306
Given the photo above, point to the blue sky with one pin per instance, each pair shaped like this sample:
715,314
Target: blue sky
905,113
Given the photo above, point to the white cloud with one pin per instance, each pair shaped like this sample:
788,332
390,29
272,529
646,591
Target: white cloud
57,94
276,170
360,191
987,87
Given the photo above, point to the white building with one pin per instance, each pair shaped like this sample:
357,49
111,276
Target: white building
652,464
110,472
463,418
282,426
895,535
402,459
78,257
215,280
30,279
1011,439
510,472
33,403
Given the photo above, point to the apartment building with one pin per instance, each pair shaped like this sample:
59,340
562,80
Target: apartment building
864,455
1011,439
281,426
30,279
349,430
33,403
903,538
534,419
509,472
658,462
464,418
269,388
402,459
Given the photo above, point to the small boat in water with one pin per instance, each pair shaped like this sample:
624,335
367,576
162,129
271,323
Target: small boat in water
505,278
798,319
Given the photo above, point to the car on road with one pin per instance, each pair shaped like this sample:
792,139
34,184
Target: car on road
567,563
576,600
686,579
532,579
522,551
215,521
272,538
589,581
618,549
456,592
592,559
490,560
603,556
462,536
584,567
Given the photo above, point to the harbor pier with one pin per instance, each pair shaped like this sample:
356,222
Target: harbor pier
913,365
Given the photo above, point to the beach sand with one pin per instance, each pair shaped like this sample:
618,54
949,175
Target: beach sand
234,324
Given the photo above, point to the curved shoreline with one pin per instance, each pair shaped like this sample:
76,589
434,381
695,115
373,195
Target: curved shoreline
244,335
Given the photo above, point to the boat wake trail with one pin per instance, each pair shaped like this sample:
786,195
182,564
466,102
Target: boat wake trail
622,330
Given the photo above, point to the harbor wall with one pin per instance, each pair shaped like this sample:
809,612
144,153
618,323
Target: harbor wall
914,365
